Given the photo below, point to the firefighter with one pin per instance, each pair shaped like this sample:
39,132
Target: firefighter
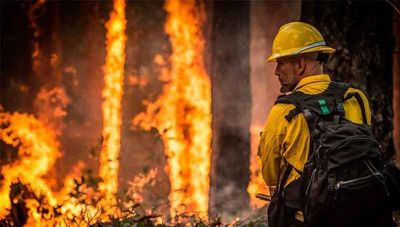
299,51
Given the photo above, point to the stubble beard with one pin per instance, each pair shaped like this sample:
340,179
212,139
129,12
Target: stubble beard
285,88
287,80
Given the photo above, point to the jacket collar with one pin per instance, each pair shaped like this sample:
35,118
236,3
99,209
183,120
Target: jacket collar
312,79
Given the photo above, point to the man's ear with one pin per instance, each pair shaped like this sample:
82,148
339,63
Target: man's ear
301,66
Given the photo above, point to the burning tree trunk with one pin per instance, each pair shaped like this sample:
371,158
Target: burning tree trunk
182,113
363,38
230,70
111,106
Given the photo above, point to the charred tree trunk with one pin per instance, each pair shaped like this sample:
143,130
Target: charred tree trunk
230,72
362,34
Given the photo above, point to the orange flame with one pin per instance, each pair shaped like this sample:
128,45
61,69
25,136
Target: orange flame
111,107
38,147
182,114
140,81
256,184
190,137
138,183
38,151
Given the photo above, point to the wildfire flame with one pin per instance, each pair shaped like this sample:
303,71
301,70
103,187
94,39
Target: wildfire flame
38,150
111,107
182,114
139,182
256,184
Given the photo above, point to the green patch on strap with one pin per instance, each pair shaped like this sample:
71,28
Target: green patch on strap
324,107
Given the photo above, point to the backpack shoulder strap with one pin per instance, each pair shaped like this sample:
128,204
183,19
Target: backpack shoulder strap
282,182
328,104
297,99
339,90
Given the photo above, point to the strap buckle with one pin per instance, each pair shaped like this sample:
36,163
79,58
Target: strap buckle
340,108
307,114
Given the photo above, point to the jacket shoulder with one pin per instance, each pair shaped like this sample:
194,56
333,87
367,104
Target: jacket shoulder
356,90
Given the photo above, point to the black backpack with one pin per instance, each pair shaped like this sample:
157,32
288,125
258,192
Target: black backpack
344,181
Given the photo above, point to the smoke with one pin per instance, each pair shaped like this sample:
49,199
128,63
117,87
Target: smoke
50,106
233,203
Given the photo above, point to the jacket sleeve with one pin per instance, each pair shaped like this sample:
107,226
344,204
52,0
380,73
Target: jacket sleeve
283,142
296,145
270,145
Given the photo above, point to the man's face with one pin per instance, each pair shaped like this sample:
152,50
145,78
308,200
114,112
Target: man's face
286,72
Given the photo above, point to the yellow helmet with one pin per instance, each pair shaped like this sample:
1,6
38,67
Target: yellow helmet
295,38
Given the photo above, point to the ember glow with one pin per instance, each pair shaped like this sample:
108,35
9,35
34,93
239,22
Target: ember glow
182,114
111,107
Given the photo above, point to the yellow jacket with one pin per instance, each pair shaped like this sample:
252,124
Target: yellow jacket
283,142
